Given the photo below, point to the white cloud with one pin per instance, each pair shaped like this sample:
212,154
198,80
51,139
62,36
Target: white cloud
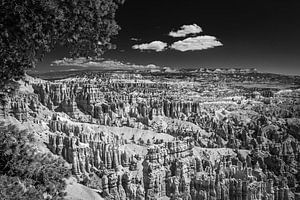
80,62
70,62
155,46
196,43
83,63
135,39
186,30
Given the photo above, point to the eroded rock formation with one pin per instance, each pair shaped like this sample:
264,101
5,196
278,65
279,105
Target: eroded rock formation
200,137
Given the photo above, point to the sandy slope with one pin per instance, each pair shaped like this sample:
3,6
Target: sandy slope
76,191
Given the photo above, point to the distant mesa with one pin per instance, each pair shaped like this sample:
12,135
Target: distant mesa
82,63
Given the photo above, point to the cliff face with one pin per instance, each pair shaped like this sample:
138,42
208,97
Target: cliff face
168,169
172,170
22,106
87,150
146,137
101,103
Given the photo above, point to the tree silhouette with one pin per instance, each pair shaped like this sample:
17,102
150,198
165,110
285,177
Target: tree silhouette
31,28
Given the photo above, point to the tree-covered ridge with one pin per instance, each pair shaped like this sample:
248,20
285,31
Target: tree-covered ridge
26,173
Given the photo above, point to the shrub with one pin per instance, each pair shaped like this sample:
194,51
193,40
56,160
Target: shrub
26,173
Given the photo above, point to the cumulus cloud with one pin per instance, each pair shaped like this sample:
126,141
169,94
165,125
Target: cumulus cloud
155,46
196,43
81,61
72,64
186,30
135,39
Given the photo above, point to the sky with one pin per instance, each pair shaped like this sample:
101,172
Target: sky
261,34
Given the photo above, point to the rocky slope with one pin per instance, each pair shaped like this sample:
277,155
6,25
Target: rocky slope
194,135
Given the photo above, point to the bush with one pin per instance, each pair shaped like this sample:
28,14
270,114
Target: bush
26,173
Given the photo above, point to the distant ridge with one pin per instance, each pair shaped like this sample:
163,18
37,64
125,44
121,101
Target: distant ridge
225,70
